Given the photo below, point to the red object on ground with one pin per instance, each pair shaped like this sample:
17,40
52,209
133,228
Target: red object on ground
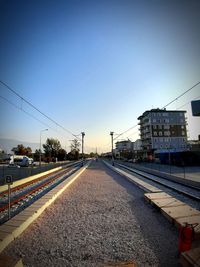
186,236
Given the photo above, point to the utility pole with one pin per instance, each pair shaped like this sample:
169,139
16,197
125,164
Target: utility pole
111,133
83,134
41,145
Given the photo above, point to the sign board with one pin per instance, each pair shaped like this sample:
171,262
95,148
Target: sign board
8,179
195,108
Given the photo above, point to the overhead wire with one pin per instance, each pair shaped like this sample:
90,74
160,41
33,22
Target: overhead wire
34,107
20,108
162,108
188,102
181,95
125,132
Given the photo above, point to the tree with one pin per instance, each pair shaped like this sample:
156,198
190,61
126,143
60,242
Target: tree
37,155
75,144
62,154
21,150
51,148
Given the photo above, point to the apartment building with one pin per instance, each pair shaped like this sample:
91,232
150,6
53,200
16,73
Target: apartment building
125,145
163,130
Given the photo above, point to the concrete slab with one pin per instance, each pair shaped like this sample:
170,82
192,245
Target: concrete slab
140,183
7,228
3,235
173,213
13,223
168,202
190,258
39,202
5,240
155,196
143,185
20,217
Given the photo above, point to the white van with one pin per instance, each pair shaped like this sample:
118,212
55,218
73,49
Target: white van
22,161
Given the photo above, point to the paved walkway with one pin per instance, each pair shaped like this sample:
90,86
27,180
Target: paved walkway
101,218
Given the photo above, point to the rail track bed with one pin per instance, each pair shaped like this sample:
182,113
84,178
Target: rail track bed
185,192
26,193
102,219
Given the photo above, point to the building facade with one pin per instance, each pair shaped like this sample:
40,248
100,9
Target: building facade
163,130
125,145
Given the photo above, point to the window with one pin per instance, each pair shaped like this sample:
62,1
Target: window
165,114
183,132
154,120
166,127
160,133
160,127
154,126
166,120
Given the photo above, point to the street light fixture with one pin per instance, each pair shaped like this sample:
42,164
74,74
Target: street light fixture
83,134
40,142
111,133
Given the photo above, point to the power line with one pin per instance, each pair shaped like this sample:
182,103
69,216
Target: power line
162,108
34,107
125,131
181,95
11,103
188,102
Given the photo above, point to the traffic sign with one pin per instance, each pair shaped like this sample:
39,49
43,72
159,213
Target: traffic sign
8,179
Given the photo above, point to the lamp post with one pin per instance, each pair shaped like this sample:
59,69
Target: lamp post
83,134
111,133
40,142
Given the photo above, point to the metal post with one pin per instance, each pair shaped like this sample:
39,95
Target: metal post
8,181
9,201
169,162
41,144
83,134
111,133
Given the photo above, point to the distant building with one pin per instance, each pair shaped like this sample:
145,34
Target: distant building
125,145
163,130
124,149
137,145
194,145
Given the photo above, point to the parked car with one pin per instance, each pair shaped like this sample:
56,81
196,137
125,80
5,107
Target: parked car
22,161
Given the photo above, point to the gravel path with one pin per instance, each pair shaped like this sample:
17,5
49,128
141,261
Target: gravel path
101,219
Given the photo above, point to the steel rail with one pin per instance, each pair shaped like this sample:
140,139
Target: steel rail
146,175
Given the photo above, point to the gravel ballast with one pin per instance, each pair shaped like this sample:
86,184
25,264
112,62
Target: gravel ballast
100,219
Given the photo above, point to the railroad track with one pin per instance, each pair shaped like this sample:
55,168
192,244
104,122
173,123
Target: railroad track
25,194
187,190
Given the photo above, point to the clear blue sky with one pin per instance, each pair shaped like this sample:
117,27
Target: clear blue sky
95,66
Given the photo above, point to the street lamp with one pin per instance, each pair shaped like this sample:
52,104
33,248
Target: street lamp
40,142
83,134
111,133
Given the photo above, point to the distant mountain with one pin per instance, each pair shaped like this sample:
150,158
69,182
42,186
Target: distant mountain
8,144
